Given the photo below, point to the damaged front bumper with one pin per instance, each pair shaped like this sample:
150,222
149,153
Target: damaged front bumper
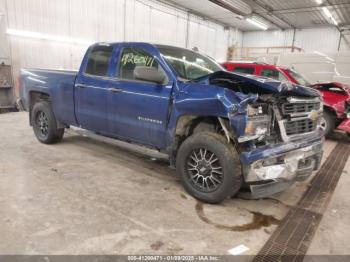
270,170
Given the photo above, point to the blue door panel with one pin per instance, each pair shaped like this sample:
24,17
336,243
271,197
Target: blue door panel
140,111
91,100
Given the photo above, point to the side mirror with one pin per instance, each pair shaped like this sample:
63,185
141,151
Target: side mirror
149,74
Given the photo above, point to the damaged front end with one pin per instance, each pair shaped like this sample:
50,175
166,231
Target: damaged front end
276,168
345,124
277,130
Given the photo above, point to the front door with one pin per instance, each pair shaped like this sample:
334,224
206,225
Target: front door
142,107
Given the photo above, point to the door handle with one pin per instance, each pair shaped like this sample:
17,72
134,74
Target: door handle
81,85
115,90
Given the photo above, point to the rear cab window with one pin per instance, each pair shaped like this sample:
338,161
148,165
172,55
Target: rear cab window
99,60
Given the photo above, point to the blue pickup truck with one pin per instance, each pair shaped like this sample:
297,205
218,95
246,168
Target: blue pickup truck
225,133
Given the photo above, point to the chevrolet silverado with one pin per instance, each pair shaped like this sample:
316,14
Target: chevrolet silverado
224,132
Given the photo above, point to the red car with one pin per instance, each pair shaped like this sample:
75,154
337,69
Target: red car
279,73
336,96
336,104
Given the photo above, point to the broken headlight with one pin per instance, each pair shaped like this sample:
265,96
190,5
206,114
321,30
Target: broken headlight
257,125
258,120
257,110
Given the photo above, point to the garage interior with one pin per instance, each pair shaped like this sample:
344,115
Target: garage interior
92,195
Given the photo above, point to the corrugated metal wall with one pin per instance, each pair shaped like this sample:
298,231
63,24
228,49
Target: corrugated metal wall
133,20
321,39
316,39
267,38
4,48
106,20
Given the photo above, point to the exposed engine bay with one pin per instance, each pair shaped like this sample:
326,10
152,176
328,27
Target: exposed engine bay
281,112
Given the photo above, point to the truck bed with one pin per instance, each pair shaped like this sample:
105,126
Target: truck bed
58,84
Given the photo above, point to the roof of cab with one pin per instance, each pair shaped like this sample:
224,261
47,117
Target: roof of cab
142,43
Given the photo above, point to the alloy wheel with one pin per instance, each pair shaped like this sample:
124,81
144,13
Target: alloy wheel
42,123
323,124
204,170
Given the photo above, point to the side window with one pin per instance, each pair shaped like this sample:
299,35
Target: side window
244,69
274,74
98,60
133,57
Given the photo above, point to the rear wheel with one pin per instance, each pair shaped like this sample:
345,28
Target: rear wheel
45,124
327,123
209,167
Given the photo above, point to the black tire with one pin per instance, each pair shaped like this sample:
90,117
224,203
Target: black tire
228,161
45,124
328,123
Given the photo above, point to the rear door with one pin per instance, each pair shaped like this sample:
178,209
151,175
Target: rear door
92,90
141,108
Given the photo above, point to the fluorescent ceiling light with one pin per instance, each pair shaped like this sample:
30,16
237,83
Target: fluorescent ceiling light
257,23
326,11
56,38
329,15
334,21
319,2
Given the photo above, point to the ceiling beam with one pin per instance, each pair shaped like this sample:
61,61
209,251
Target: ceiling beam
171,3
337,15
234,10
228,7
306,9
269,11
269,20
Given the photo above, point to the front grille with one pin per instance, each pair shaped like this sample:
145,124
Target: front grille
300,115
299,108
300,126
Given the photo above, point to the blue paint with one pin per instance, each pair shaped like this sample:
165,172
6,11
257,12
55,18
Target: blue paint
129,114
275,150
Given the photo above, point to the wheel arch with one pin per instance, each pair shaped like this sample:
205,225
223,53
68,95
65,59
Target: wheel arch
35,97
185,127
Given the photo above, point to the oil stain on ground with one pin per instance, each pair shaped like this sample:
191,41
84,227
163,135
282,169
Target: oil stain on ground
157,245
259,220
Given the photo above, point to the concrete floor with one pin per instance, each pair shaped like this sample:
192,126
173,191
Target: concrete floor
83,196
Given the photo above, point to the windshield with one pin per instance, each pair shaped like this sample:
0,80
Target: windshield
187,64
298,77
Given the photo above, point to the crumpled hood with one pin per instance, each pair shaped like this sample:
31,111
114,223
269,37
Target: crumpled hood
267,85
345,87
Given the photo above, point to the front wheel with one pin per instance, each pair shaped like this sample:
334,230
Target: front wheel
45,124
209,167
